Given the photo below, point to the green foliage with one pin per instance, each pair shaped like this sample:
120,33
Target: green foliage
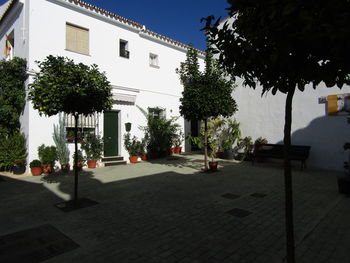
93,146
159,132
64,86
260,140
285,44
81,158
47,154
12,149
12,93
230,134
60,138
35,163
134,146
178,138
246,145
206,95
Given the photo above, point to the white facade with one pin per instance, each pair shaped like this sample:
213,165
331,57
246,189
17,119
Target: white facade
39,28
263,116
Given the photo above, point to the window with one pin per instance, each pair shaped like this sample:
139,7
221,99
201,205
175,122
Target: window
77,39
123,49
86,124
153,60
157,112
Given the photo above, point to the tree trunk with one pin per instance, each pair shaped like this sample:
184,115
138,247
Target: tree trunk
288,187
205,144
76,117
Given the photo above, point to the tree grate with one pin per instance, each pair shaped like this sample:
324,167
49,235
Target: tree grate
237,212
72,205
34,245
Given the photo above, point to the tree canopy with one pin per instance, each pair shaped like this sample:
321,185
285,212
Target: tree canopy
74,88
13,74
284,44
206,94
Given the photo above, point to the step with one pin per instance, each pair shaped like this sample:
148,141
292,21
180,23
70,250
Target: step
112,158
112,163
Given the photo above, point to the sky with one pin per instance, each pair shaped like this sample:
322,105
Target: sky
178,19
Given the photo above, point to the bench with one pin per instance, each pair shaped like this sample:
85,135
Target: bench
297,152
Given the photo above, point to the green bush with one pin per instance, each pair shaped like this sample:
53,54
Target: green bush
35,163
133,146
12,148
47,154
93,146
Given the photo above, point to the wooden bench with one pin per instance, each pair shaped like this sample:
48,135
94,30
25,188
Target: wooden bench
297,152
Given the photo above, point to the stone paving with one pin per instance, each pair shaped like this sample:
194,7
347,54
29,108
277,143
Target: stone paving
170,211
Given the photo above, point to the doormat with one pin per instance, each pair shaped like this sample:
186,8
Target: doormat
258,195
34,245
71,205
237,212
230,196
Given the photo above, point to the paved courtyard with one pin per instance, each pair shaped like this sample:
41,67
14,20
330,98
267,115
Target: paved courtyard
170,211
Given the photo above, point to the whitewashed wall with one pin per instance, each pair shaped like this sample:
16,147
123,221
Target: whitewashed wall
45,34
264,116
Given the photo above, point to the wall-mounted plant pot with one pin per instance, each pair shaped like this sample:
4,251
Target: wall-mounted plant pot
70,139
91,163
213,166
133,159
36,171
128,126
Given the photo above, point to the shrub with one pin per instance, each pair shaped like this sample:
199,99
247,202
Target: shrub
93,146
35,163
47,154
133,146
12,147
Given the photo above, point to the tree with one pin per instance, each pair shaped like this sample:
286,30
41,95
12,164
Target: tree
206,94
13,74
285,45
64,86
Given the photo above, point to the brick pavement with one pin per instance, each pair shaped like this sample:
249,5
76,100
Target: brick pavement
168,211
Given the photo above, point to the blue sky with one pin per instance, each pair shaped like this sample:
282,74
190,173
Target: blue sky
178,19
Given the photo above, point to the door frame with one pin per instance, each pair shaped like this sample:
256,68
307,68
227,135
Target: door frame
118,127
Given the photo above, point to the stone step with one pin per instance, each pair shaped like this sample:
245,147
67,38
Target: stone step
112,158
111,163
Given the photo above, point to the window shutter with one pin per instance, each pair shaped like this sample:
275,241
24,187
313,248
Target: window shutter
77,39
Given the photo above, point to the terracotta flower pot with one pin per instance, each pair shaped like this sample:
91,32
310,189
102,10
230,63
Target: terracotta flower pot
144,157
91,163
177,149
213,166
36,171
47,168
133,158
171,151
80,166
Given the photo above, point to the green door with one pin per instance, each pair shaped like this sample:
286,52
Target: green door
110,131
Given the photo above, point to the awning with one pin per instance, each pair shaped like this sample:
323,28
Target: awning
118,97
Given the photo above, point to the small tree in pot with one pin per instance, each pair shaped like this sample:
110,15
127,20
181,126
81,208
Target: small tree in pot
62,151
93,147
47,156
133,146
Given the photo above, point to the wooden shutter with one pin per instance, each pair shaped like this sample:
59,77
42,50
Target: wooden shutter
77,39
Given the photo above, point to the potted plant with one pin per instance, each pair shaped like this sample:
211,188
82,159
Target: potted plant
133,146
59,137
143,153
35,167
17,152
81,160
19,166
230,134
178,140
93,147
244,148
213,165
227,147
47,156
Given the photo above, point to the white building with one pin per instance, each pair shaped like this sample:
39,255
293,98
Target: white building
139,63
